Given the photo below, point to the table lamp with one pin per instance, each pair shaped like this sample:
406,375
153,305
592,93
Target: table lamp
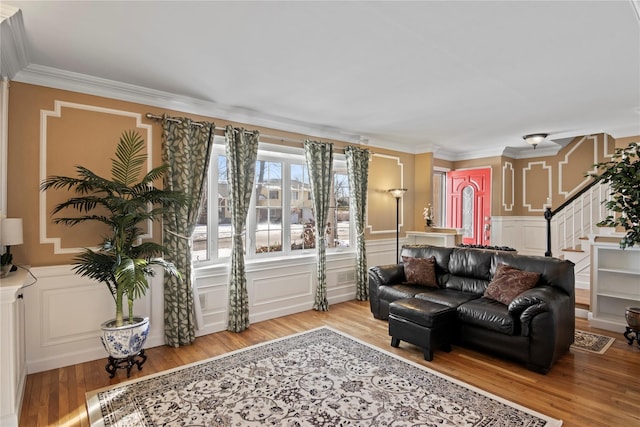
10,235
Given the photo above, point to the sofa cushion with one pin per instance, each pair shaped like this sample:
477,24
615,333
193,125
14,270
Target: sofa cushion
420,271
509,282
488,314
448,297
470,270
474,263
396,292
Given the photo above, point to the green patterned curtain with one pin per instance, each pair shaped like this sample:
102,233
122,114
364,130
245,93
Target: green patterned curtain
358,169
242,152
186,148
319,157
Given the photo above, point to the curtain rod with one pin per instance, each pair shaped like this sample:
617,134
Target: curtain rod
279,138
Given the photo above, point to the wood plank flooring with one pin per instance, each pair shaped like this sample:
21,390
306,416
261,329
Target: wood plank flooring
582,389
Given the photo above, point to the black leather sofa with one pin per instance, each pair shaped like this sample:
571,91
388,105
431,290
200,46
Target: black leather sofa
536,328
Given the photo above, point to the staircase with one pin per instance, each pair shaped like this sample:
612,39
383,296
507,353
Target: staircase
573,229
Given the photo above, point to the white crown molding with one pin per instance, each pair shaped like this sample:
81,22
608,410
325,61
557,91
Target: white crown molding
636,6
82,83
376,142
15,55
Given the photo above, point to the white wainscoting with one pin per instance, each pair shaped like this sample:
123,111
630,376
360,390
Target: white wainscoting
63,311
526,234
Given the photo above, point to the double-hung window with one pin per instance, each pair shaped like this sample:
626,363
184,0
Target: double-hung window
281,220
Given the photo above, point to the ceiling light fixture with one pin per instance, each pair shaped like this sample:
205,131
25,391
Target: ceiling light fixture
535,138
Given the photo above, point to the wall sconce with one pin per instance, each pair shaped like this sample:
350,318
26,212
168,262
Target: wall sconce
535,138
10,235
397,193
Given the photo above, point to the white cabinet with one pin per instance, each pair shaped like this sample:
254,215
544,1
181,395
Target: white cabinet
13,367
615,285
435,238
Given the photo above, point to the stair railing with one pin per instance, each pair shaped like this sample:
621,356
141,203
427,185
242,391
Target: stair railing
577,216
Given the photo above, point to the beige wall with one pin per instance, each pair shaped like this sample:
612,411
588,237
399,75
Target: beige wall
388,170
553,180
524,187
85,129
423,183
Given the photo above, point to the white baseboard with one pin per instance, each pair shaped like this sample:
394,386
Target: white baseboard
582,313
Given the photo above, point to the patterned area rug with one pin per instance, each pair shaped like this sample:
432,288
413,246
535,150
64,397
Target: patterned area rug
318,378
593,343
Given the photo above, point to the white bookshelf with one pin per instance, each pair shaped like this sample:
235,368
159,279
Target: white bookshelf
615,285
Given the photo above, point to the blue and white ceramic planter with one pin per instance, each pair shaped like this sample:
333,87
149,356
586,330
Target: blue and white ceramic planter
127,340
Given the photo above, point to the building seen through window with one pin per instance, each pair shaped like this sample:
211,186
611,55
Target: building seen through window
282,185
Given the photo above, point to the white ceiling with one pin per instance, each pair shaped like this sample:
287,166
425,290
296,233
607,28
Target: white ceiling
461,78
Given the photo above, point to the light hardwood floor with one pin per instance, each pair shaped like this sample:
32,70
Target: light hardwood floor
582,389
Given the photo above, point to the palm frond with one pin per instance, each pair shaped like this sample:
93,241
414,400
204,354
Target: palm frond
57,182
71,221
168,267
82,204
154,174
132,275
148,250
98,266
127,165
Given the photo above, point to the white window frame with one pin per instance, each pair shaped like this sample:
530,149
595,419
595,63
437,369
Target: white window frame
269,152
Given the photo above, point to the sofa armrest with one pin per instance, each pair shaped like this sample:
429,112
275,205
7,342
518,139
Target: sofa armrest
550,326
544,299
382,275
529,298
386,274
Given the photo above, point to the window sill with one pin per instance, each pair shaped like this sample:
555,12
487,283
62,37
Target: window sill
256,264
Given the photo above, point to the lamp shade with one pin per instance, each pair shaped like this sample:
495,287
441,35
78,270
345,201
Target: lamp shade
11,232
397,192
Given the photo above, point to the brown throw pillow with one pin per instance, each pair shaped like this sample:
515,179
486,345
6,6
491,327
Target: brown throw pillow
509,282
420,271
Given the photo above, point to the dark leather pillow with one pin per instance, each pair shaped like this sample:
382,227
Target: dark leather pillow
509,282
420,271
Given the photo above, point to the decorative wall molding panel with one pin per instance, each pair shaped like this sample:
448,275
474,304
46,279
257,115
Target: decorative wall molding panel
508,186
63,313
531,205
566,189
57,112
378,193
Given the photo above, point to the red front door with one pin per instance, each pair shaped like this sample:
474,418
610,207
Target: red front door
469,204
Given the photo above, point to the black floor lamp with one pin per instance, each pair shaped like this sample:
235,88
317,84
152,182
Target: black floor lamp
397,193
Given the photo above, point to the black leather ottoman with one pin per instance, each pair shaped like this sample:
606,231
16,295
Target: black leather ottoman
423,323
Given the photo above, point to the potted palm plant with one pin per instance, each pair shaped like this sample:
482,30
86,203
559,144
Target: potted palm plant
622,173
121,261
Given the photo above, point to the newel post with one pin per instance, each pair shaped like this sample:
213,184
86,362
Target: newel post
547,216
